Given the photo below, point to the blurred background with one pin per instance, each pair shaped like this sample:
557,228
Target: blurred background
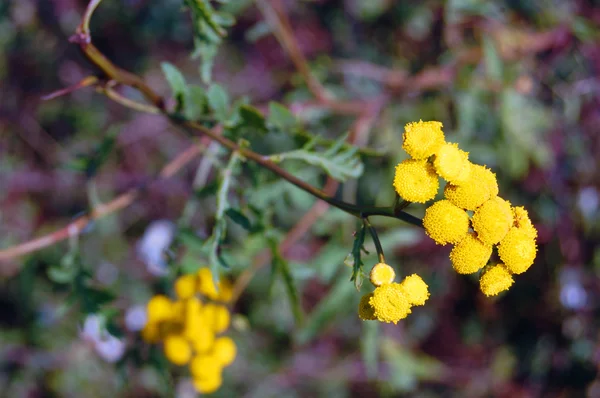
515,83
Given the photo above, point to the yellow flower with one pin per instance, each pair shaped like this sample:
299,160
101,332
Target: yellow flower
224,351
479,187
225,291
416,181
445,223
415,289
422,139
470,255
517,250
389,303
185,286
151,333
207,373
207,285
177,349
217,316
523,222
452,164
495,279
201,336
159,308
381,273
492,220
365,310
208,385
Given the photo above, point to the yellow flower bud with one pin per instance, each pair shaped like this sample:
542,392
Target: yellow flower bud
224,351
208,385
422,139
479,187
177,349
517,250
415,289
185,286
470,255
492,220
159,308
365,311
390,303
522,221
201,336
206,372
381,273
207,285
495,279
217,316
416,181
445,223
452,164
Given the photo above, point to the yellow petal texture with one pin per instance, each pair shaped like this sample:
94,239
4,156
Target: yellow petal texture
517,250
381,273
470,255
492,220
416,181
479,187
415,289
389,303
185,286
365,310
224,351
452,164
522,221
445,222
177,349
495,279
422,139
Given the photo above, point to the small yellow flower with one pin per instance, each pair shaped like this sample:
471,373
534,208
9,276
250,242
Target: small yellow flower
159,308
452,164
207,285
517,250
224,351
177,349
185,286
479,187
422,139
495,279
415,289
492,220
445,223
208,385
217,316
381,273
151,333
201,336
207,373
523,222
389,303
416,181
365,310
470,255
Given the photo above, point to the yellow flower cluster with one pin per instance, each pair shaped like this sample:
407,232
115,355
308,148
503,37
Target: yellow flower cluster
190,327
469,187
391,302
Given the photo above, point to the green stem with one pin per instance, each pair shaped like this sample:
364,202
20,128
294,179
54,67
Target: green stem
375,238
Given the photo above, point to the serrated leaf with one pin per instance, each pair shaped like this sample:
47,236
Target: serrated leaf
280,117
218,100
282,268
357,247
239,218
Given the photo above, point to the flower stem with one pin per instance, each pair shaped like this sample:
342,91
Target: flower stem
375,238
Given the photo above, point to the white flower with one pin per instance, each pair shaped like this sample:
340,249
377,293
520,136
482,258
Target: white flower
151,247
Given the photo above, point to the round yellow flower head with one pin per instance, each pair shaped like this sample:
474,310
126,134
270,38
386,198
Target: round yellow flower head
208,385
177,349
495,279
151,333
207,285
217,316
389,303
492,220
205,366
159,308
517,250
224,351
185,286
365,311
470,255
381,273
202,337
479,187
416,181
452,164
422,139
445,223
415,289
522,221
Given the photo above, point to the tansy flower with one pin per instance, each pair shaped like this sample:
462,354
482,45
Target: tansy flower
470,255
422,139
452,164
177,349
445,223
522,221
365,310
492,220
517,250
479,187
206,371
381,273
390,303
416,181
159,308
495,279
208,385
224,351
186,286
415,289
217,316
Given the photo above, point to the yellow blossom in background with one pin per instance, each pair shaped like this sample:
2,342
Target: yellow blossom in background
522,222
159,308
365,310
479,187
492,220
415,289
495,279
470,255
452,164
517,250
205,366
208,385
390,303
206,285
445,223
177,349
217,316
416,181
185,286
422,139
224,351
381,273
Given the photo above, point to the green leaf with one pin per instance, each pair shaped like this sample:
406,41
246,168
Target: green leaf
195,102
92,162
218,100
251,117
280,117
493,62
239,218
175,79
281,267
357,247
